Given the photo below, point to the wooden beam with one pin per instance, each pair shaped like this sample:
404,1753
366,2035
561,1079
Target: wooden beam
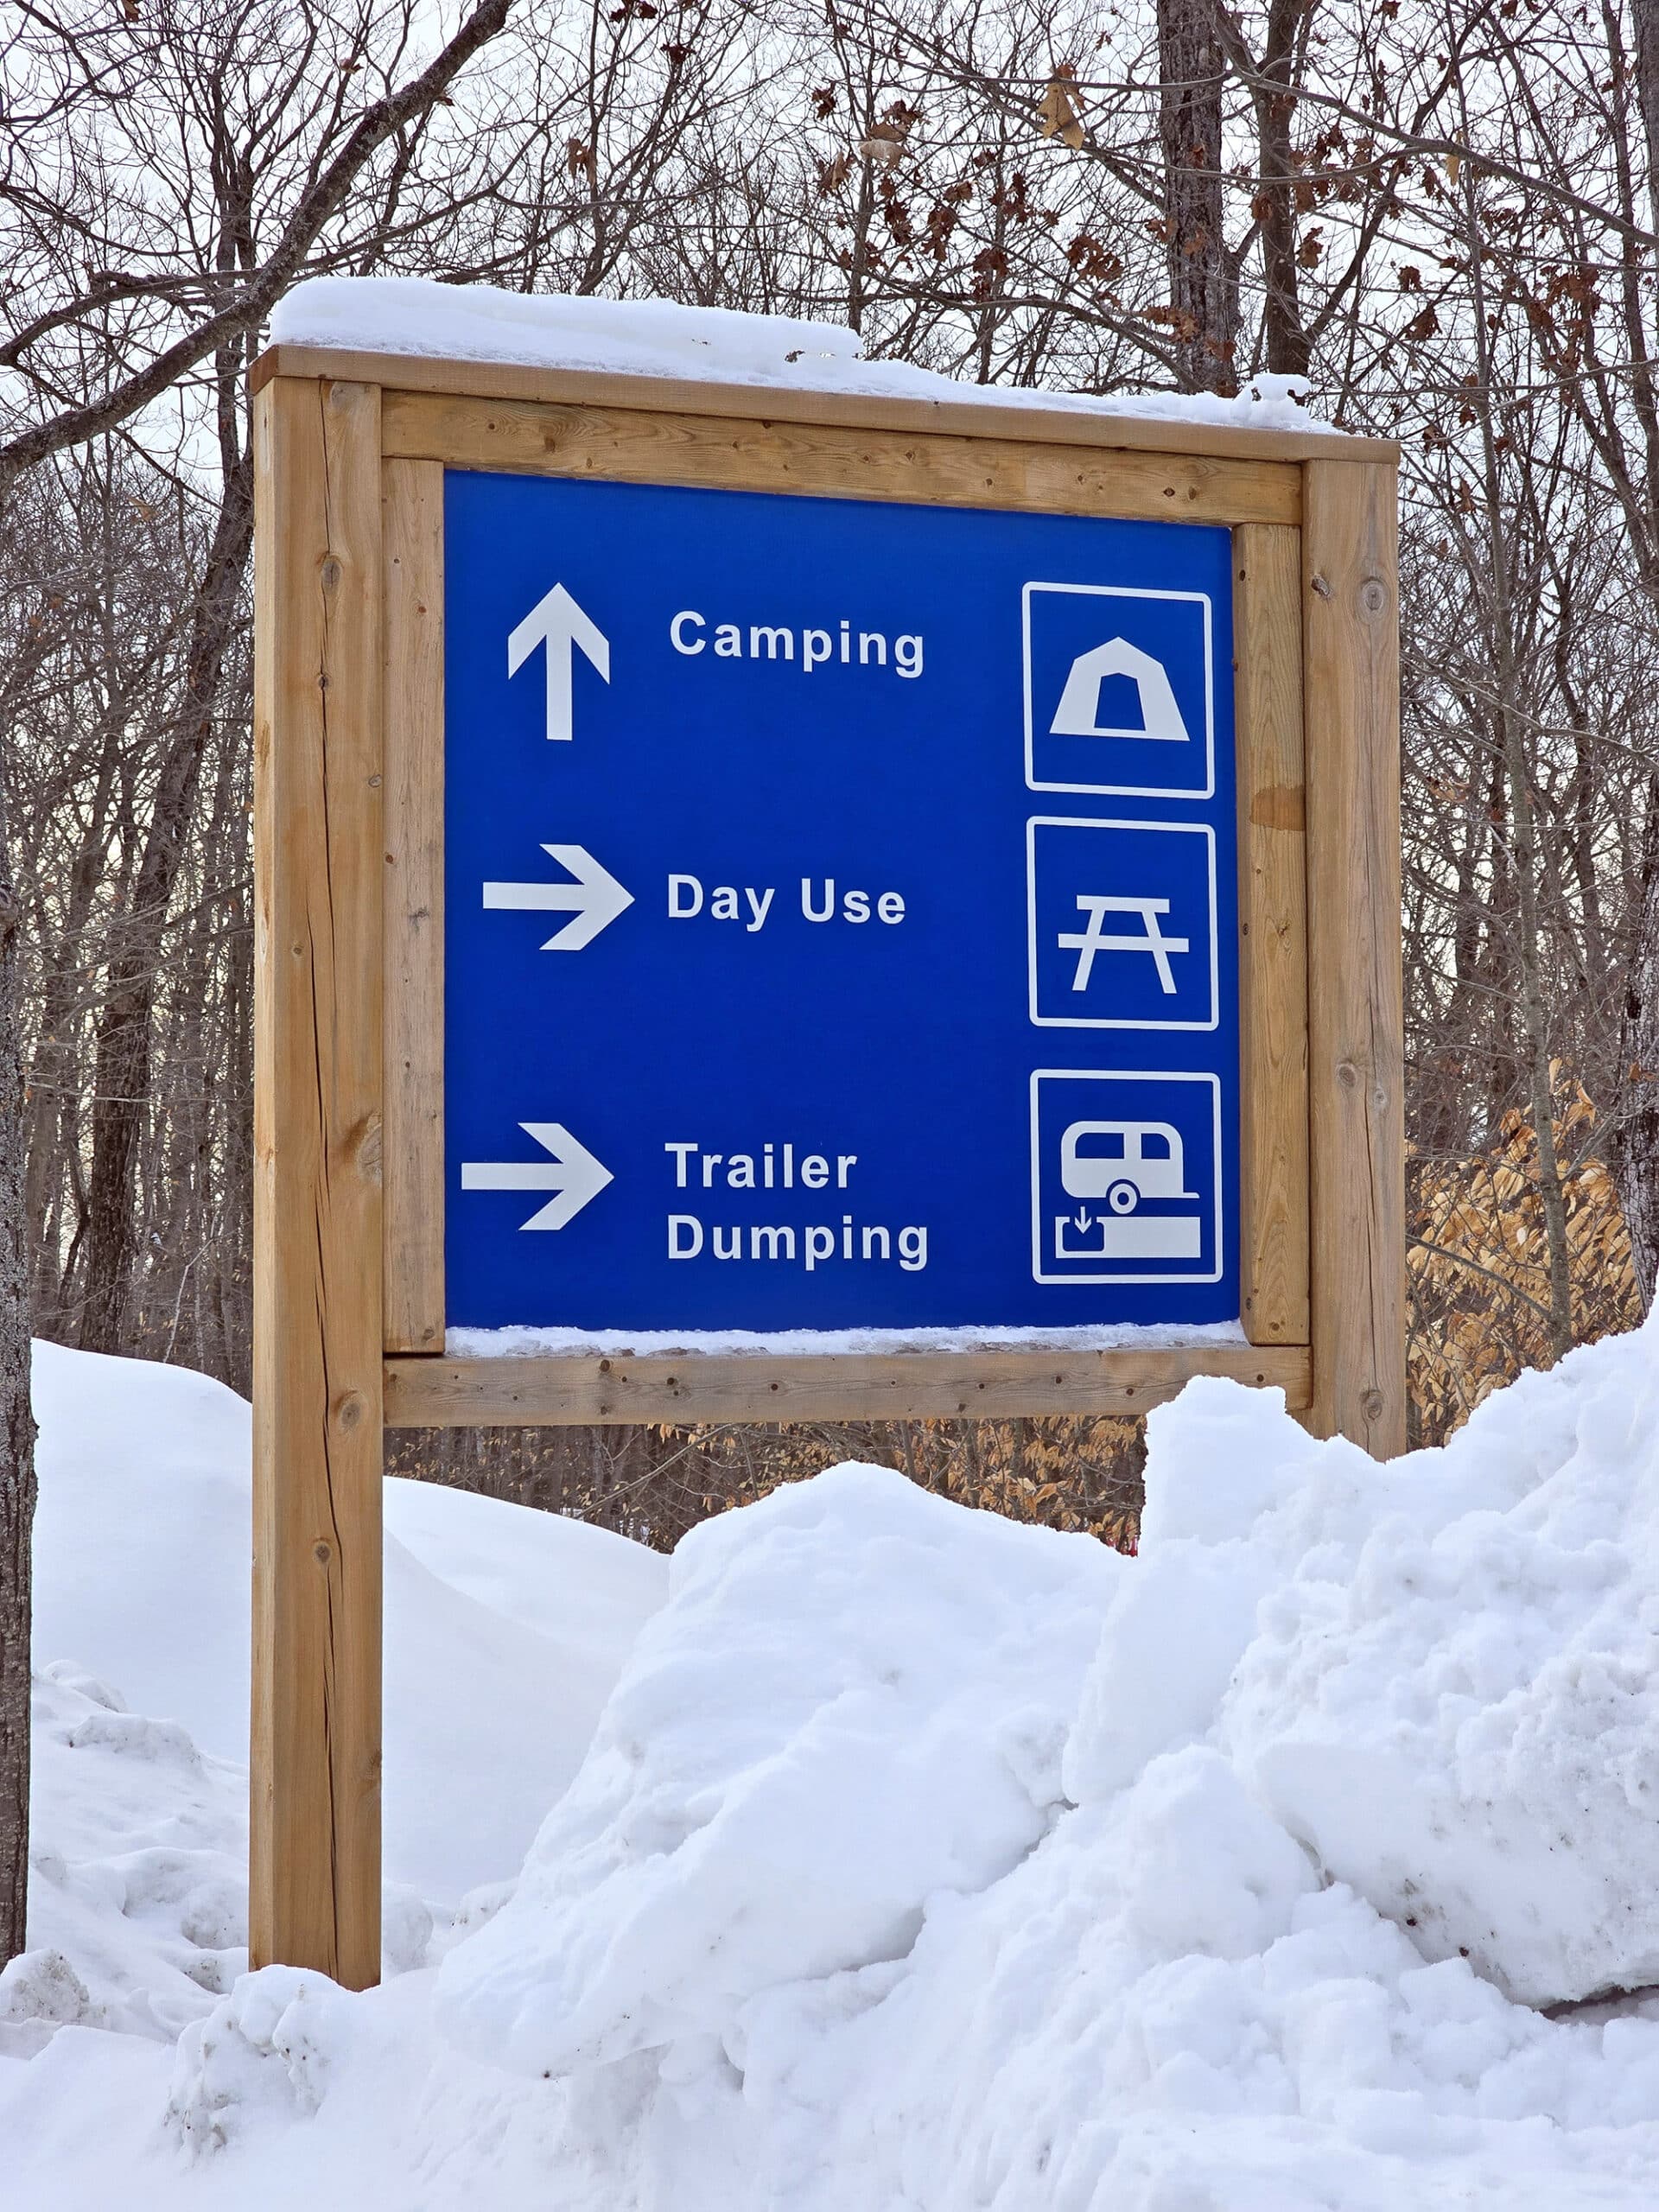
633,446
1272,934
1355,1020
413,1231
314,1873
693,1387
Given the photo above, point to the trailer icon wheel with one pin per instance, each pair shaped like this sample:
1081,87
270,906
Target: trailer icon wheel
1122,1198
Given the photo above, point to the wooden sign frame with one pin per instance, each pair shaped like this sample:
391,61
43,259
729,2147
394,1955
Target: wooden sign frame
350,451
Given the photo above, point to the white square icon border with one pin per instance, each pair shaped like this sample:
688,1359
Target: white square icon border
1037,822
1123,790
1122,1075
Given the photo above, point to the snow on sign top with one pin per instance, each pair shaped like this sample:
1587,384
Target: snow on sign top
656,338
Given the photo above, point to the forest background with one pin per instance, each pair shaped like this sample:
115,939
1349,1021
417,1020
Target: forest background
1440,216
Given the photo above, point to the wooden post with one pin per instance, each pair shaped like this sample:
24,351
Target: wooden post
412,527
1356,1108
1273,927
314,1874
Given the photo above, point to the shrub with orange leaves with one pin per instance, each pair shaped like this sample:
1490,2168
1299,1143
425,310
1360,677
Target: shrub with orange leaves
1477,1267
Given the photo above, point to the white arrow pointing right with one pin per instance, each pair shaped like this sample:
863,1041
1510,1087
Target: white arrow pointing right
572,1172
593,900
557,622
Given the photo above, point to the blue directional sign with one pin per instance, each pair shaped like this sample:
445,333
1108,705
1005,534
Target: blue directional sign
781,989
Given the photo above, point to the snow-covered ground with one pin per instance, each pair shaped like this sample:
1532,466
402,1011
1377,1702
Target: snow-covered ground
909,1858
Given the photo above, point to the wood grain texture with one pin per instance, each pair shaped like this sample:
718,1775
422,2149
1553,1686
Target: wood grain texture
412,550
819,1386
967,417
637,447
1356,1049
314,1873
1272,934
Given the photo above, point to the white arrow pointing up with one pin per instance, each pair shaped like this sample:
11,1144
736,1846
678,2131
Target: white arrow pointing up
557,622
572,1172
595,900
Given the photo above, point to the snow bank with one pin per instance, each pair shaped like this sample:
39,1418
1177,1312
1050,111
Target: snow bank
1162,2008
475,322
921,1859
854,1698
144,1518
137,1903
817,1921
505,1627
1451,1692
1438,1677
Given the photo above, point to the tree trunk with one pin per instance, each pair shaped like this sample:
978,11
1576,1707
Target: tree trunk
1635,1145
51,1130
1203,277
1645,16
1535,1022
1287,347
1635,1139
1518,770
16,1436
125,1026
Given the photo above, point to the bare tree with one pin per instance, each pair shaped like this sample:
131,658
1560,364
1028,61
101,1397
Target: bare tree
67,85
232,293
1273,81
1203,306
1637,1142
125,1026
16,1435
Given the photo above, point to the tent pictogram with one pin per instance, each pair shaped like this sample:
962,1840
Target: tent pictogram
1077,714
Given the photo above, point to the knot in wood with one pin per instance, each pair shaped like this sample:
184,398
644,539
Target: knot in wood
350,1410
1347,1074
1370,1404
329,572
323,1553
368,1144
1373,598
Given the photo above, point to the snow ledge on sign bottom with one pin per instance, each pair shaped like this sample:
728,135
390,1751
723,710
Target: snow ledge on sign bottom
527,1343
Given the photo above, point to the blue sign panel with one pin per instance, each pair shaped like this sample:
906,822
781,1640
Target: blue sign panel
781,992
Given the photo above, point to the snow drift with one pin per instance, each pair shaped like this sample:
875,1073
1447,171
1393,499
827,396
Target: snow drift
852,1700
1451,1694
1361,1756
1438,1679
917,1859
505,1627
